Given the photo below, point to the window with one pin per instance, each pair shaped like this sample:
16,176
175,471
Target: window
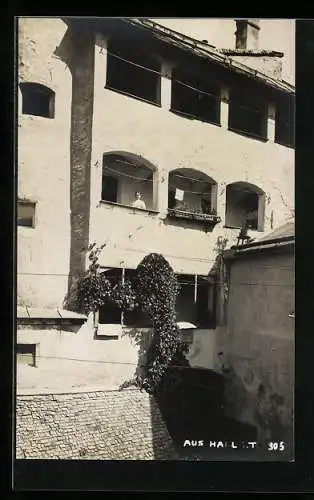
109,190
195,98
192,195
245,206
134,72
128,179
247,115
196,301
26,213
135,318
285,121
111,314
37,100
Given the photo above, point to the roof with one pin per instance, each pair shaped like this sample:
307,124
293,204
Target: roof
209,52
285,231
283,236
25,312
252,52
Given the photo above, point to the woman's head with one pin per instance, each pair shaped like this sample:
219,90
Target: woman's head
138,195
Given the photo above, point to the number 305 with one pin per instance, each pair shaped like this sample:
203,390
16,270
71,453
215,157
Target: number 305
276,446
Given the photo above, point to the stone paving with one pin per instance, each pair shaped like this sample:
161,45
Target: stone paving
108,425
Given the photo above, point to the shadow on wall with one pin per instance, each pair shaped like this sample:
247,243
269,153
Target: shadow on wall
77,51
141,338
191,404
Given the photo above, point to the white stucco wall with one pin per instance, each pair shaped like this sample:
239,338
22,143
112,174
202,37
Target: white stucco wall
122,123
44,166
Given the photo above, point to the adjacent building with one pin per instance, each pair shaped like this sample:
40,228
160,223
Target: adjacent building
258,347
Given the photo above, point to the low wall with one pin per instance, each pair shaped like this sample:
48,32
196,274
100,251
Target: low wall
77,357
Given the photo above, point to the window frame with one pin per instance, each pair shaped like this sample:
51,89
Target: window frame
32,204
290,143
195,281
238,100
260,216
116,50
182,75
30,91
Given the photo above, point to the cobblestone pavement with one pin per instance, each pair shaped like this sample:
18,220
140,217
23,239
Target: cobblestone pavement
111,425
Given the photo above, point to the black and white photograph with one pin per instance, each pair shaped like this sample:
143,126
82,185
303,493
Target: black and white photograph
155,295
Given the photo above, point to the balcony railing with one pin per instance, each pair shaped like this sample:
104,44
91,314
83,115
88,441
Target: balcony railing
208,219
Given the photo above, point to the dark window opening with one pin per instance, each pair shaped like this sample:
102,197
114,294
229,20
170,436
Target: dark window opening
243,208
247,115
201,104
171,199
37,100
285,121
26,354
26,213
125,75
196,301
109,313
128,180
192,191
135,318
109,191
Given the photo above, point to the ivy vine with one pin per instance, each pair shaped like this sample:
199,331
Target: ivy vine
156,288
154,291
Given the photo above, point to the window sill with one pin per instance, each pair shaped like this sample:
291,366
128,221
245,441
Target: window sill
129,207
197,217
194,117
248,134
239,227
285,145
128,94
30,116
27,226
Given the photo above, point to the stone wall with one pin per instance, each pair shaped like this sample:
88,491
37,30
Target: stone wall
114,425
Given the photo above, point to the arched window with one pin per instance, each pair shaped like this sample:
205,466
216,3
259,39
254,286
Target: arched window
128,179
245,206
192,195
37,100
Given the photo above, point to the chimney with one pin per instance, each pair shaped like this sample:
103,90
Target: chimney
247,34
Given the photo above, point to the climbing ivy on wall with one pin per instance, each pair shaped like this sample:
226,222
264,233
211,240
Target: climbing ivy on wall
156,288
154,291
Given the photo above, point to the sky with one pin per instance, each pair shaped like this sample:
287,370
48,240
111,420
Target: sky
275,34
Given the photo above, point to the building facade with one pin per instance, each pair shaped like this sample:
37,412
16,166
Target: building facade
109,108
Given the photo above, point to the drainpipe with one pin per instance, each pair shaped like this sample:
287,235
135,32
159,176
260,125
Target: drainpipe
123,280
195,289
